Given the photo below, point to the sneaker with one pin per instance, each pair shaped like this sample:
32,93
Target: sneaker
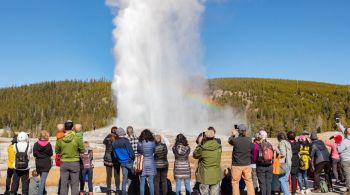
307,191
302,192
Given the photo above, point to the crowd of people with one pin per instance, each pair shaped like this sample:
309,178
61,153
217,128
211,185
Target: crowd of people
140,164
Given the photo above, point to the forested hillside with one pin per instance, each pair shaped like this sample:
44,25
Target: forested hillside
276,105
281,105
43,105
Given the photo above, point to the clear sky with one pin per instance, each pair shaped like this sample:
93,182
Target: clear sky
291,39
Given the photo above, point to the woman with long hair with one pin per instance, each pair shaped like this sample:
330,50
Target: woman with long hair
42,151
146,147
110,162
182,169
285,152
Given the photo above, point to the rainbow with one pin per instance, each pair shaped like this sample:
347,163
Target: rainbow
204,101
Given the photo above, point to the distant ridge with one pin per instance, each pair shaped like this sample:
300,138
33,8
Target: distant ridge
273,104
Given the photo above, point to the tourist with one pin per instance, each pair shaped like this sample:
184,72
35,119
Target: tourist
132,138
255,151
124,155
264,164
161,159
59,135
336,165
344,151
78,129
226,182
241,160
285,153
69,148
320,158
42,152
182,169
22,150
10,164
34,183
208,173
304,165
146,147
86,174
110,162
295,159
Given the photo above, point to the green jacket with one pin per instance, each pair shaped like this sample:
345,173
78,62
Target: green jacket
209,160
70,147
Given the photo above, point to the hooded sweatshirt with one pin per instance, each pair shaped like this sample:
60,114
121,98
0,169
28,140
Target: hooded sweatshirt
209,160
70,147
42,152
22,144
182,169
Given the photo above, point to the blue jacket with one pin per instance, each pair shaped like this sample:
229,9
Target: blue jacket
123,150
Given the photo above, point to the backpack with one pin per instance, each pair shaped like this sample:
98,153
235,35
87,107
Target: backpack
22,159
265,155
58,160
304,162
324,186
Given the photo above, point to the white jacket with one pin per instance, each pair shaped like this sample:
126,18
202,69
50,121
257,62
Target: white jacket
22,143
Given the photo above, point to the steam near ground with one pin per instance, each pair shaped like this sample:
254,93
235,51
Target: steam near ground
159,79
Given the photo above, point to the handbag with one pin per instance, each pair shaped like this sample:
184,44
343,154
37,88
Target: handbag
138,163
280,168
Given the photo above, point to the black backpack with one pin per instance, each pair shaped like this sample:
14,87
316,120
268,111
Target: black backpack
22,159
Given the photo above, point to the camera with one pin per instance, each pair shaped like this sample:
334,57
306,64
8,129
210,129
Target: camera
236,126
337,120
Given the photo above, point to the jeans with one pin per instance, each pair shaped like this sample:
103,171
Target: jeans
346,167
43,177
264,174
210,189
86,173
246,173
9,175
161,180
303,175
72,170
24,177
187,186
116,170
317,174
337,170
126,169
284,182
150,182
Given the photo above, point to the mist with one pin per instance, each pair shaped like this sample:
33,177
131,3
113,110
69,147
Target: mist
160,79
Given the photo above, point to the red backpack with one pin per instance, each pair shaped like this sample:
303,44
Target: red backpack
265,156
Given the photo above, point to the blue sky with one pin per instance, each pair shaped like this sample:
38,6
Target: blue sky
291,39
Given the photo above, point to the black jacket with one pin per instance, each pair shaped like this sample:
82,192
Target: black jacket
42,156
295,158
242,147
109,158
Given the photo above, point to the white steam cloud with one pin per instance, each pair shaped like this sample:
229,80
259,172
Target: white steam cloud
159,80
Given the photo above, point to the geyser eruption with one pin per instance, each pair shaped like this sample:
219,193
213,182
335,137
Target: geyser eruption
159,80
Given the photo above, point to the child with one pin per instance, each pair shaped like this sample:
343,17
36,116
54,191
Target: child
34,182
226,184
78,131
87,168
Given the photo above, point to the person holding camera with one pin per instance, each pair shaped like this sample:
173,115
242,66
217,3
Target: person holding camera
241,160
344,151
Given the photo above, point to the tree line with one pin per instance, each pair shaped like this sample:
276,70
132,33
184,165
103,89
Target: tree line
275,105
